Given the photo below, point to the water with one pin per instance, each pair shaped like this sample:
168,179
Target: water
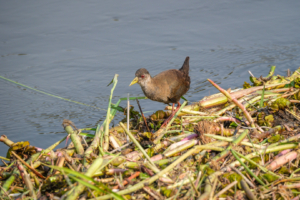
73,49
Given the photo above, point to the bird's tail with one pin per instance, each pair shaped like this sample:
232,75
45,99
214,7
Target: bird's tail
186,66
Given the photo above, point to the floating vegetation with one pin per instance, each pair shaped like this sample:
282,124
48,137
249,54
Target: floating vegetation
240,144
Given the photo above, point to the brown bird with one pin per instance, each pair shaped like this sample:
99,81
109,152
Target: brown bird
167,86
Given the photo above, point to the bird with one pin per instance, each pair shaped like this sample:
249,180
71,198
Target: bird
166,87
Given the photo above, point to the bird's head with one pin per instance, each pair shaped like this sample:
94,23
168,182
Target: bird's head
142,76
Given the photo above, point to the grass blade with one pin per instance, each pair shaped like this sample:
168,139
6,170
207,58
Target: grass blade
261,104
86,178
247,169
115,195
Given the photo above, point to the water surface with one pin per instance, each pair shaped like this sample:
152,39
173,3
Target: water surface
73,49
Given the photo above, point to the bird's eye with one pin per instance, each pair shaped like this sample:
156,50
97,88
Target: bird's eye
143,76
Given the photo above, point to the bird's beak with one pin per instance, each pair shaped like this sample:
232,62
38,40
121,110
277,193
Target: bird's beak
134,81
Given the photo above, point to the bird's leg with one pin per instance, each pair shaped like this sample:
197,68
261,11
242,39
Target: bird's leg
172,114
169,118
178,106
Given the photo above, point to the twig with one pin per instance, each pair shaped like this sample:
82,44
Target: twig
153,193
125,182
234,100
5,192
27,165
293,114
247,190
178,192
121,147
142,114
193,186
242,175
251,74
213,189
225,189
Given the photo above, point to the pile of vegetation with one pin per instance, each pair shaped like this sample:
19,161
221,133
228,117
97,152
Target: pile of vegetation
233,145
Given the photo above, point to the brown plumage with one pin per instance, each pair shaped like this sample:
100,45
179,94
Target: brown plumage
167,86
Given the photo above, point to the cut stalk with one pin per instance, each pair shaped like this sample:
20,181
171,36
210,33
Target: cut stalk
234,143
74,137
106,135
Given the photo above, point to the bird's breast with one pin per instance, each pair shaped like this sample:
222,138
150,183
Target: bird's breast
156,93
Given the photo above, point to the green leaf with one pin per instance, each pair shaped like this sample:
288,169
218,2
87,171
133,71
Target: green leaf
87,135
246,168
184,98
291,84
110,82
144,176
233,124
75,173
87,178
109,162
115,195
119,108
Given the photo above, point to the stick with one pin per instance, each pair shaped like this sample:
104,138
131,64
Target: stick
142,114
247,190
251,74
235,101
27,165
125,182
225,189
244,177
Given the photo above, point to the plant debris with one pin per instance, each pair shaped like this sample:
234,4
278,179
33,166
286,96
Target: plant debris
240,144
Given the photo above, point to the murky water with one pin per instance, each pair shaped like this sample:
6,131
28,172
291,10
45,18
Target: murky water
73,49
